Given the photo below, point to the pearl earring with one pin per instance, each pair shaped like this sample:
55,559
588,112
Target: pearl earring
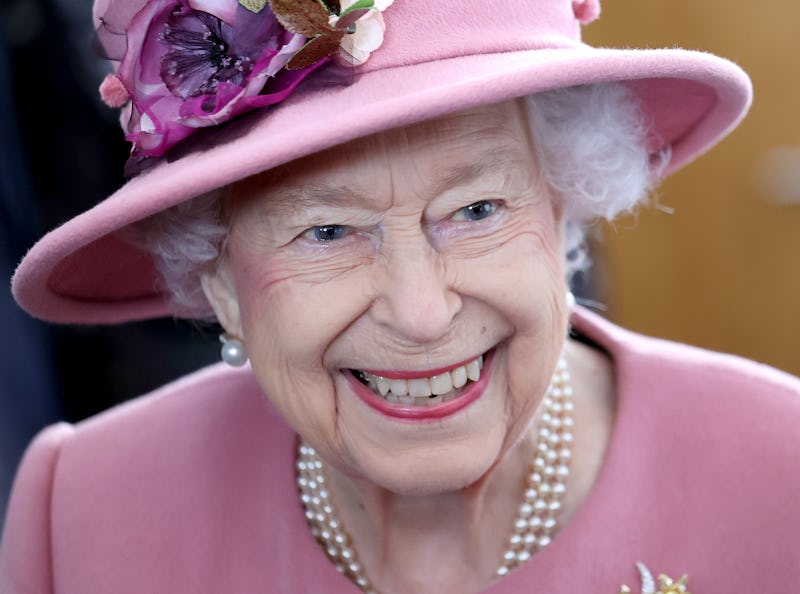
570,301
232,351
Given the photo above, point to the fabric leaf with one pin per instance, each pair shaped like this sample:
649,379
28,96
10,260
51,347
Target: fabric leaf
360,5
302,17
349,18
315,50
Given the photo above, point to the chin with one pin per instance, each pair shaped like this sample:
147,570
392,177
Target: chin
433,468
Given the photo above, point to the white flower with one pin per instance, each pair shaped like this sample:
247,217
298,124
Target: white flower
368,35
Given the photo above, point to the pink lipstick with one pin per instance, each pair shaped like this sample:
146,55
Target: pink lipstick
465,396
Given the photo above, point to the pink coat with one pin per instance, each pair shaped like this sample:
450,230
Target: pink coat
191,490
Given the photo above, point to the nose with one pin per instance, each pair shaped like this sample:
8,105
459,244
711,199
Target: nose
414,298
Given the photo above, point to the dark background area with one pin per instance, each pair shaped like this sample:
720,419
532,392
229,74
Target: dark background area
61,152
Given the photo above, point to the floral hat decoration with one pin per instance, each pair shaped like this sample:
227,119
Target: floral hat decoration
190,64
214,91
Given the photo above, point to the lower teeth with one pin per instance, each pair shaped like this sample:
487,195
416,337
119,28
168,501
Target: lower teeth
419,400
406,399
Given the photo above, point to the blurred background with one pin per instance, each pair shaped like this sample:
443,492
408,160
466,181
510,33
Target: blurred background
712,262
718,264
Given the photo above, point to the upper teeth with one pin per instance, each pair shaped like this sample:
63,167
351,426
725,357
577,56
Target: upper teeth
426,386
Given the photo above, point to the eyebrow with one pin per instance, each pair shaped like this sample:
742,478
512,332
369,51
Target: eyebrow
297,198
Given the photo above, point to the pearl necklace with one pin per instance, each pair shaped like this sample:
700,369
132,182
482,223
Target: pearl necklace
536,516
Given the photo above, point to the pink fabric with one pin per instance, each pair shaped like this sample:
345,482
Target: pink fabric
438,57
190,490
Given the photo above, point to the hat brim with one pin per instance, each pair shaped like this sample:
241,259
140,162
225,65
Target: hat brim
83,273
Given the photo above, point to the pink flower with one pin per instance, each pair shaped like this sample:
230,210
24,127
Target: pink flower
586,11
113,92
188,64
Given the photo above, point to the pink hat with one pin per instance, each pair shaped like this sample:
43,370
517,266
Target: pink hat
436,57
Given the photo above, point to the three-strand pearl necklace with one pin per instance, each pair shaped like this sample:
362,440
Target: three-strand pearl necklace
537,514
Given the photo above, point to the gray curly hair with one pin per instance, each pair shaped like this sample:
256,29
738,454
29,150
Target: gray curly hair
590,143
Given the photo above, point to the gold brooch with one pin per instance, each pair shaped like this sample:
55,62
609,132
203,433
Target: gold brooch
666,585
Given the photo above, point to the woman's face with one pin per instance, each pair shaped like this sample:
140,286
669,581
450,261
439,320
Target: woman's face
403,255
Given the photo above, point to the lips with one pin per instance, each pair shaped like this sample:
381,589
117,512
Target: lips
418,395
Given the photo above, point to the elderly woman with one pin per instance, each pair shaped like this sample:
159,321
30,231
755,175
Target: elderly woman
383,209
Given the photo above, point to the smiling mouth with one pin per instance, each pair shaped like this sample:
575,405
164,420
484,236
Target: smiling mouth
423,391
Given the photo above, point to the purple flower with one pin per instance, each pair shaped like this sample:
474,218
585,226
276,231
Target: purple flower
188,64
205,51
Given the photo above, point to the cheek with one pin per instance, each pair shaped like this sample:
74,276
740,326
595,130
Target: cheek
289,325
291,313
522,278
519,270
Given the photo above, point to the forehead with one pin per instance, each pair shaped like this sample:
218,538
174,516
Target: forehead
436,154
499,124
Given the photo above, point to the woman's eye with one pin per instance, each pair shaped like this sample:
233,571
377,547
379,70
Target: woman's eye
324,233
476,211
